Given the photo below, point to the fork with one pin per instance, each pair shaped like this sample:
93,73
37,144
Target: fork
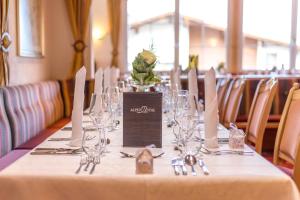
181,164
83,161
174,163
96,161
89,161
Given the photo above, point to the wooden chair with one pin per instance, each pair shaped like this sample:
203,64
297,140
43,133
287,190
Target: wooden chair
222,88
232,101
259,112
287,147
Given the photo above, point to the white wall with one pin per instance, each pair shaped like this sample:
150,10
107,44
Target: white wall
58,56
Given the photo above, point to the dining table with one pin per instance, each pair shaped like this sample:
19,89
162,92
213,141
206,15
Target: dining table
54,177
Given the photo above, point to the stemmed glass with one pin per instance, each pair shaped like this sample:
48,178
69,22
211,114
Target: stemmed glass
187,128
122,89
100,113
94,146
188,135
181,103
114,104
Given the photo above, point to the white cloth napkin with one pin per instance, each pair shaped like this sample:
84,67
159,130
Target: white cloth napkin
107,78
77,112
211,110
193,89
98,81
98,90
175,79
114,75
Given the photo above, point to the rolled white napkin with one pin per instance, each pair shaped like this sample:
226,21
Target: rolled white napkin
211,110
107,78
193,89
98,90
77,112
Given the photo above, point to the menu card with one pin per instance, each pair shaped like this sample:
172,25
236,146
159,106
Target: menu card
142,119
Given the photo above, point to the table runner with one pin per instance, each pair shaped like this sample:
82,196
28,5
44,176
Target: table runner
232,177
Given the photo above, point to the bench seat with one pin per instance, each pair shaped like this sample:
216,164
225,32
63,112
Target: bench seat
43,135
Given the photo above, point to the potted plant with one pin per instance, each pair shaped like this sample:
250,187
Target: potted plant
142,73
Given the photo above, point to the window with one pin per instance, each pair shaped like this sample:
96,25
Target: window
204,24
202,31
267,26
150,22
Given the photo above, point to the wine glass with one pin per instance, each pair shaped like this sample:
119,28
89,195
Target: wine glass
103,115
92,108
114,102
92,147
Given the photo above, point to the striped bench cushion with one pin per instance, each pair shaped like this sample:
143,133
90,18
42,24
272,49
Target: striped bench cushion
5,134
52,101
25,112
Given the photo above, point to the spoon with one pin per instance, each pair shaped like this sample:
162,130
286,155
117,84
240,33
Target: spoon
191,161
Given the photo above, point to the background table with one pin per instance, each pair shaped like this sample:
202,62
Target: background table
51,177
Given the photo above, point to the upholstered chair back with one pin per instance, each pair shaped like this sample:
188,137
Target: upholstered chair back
288,133
52,101
233,101
5,134
259,112
25,112
222,88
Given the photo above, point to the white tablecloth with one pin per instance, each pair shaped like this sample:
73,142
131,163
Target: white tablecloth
231,177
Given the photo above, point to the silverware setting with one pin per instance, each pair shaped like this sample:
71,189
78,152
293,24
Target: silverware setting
56,151
220,140
226,152
128,155
180,162
203,166
96,161
89,137
83,162
175,165
191,161
89,161
179,165
68,128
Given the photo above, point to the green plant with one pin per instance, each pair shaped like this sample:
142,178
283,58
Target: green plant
143,66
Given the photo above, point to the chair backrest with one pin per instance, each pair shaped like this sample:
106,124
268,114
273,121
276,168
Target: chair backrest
288,133
232,101
5,133
52,101
259,112
25,112
222,88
